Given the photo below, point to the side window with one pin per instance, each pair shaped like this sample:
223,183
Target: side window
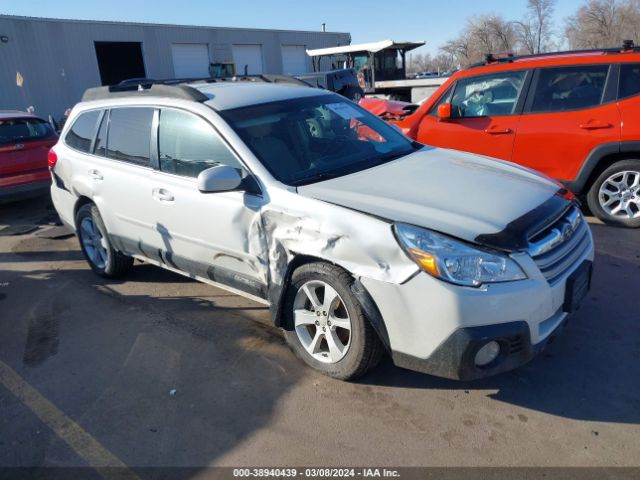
100,147
629,80
82,131
569,88
130,135
488,95
187,145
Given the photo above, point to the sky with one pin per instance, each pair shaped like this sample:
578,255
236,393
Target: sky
370,20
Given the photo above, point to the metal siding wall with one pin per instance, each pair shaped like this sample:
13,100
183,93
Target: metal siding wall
58,62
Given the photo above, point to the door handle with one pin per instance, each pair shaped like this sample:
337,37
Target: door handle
496,130
163,195
96,175
595,125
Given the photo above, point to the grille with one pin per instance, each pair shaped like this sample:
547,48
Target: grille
561,245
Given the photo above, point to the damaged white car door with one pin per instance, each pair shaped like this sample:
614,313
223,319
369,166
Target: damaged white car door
224,244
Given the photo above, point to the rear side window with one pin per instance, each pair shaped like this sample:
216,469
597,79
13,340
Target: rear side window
130,135
82,132
569,88
629,80
23,130
487,95
187,145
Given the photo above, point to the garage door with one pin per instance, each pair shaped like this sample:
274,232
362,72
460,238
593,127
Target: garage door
294,59
190,60
249,56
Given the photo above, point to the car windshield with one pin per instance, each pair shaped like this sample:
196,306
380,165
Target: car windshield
23,129
305,140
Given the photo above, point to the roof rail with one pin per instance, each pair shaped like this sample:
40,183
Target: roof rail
628,46
144,88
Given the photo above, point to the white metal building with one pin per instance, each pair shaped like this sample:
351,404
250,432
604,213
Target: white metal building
48,63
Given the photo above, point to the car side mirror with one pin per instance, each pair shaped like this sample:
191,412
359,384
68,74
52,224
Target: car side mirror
444,111
221,178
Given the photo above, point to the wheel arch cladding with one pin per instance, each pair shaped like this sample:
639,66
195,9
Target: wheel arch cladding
599,159
277,295
82,201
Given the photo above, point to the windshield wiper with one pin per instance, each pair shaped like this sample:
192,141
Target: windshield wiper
317,178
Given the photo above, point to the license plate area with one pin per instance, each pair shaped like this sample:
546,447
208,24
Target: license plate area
577,287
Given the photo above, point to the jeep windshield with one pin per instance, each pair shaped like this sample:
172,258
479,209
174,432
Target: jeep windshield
306,140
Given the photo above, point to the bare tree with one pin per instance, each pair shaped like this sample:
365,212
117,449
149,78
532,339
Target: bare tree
604,23
459,50
443,62
481,36
535,31
419,62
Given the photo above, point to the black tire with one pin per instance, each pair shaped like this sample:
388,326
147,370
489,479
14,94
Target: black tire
594,200
116,264
365,349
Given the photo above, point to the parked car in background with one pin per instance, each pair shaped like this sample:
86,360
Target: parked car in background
352,234
25,140
573,116
343,82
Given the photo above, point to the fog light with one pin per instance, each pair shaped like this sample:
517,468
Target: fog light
487,354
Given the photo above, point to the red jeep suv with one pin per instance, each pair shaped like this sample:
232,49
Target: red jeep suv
25,141
574,116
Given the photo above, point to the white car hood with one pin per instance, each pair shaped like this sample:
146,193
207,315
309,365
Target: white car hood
460,194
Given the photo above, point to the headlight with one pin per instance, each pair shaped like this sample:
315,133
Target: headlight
455,261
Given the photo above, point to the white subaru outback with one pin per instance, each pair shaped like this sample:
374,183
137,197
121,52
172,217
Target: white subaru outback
357,239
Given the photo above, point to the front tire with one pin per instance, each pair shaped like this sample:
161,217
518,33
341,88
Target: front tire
103,259
325,325
614,197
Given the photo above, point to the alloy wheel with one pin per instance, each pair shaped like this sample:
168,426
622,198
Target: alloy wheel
619,195
94,242
322,322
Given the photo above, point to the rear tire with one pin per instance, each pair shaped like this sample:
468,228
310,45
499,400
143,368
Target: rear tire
325,325
103,259
614,197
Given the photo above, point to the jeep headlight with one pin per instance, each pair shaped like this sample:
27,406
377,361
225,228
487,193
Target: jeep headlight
454,261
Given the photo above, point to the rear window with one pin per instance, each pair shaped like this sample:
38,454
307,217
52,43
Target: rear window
129,137
629,80
82,132
23,130
569,88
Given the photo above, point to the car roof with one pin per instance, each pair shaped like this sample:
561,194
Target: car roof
229,95
550,60
10,114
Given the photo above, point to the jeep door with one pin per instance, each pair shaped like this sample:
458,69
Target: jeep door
484,115
216,236
569,112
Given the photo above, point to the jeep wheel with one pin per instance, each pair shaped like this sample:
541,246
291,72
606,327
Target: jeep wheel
325,325
103,259
615,195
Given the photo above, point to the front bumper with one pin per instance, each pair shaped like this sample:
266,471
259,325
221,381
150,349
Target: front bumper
455,358
437,328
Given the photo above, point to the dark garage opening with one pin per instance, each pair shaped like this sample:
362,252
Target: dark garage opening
119,61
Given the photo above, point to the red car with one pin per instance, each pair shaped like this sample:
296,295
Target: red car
574,116
25,141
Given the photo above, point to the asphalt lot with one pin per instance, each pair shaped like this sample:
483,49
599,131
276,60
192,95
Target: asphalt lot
88,368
